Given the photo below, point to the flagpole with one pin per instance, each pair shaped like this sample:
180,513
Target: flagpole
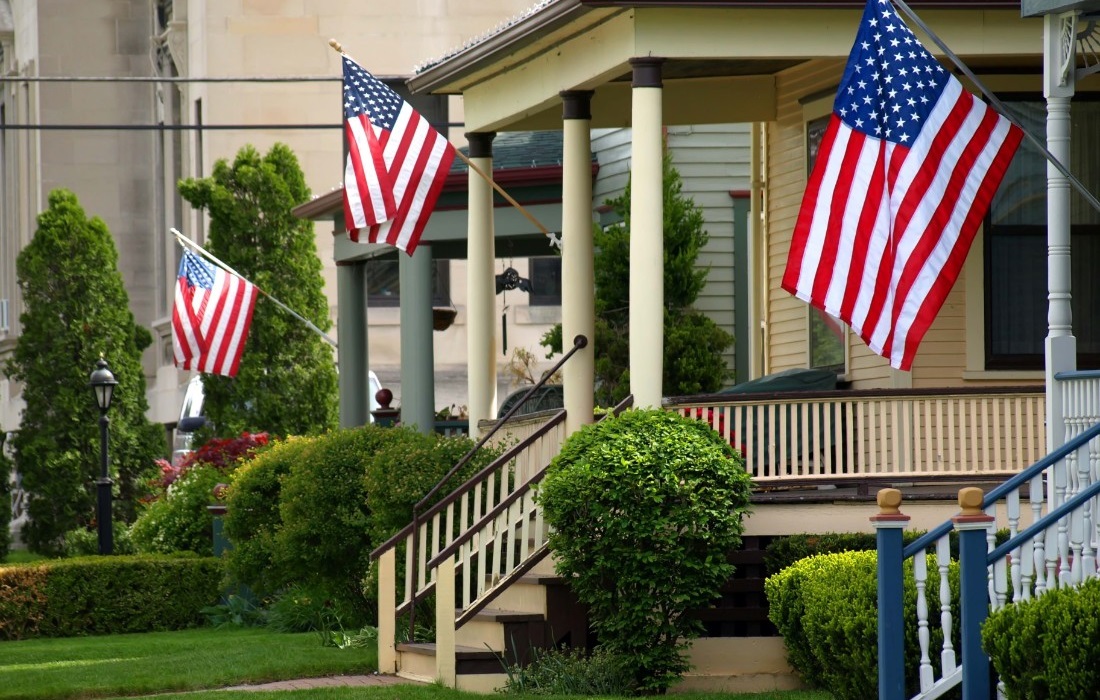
338,48
182,240
1000,106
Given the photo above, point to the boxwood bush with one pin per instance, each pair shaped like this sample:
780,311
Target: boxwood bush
826,608
644,509
1048,647
106,595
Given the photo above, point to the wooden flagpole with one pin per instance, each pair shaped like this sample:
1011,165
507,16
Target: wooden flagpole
185,241
487,177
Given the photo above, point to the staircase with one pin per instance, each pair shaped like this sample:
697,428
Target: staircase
484,548
1052,513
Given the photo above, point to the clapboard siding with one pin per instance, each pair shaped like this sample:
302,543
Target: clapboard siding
712,160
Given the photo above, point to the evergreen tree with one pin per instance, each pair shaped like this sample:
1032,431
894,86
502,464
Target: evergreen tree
5,497
77,310
287,379
694,343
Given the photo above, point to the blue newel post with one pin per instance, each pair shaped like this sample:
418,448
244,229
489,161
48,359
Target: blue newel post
973,524
889,524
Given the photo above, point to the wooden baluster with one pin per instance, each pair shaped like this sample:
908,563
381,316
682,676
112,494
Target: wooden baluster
1012,503
920,575
1036,494
943,563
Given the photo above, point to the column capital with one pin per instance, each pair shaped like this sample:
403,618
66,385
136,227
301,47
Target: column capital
576,104
481,143
647,71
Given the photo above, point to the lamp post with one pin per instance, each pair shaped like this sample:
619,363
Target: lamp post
103,384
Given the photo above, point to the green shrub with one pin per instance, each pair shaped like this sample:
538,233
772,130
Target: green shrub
324,542
106,595
252,518
84,542
179,520
826,608
570,672
406,467
1048,647
644,509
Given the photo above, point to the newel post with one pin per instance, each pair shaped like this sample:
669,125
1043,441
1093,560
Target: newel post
972,525
889,525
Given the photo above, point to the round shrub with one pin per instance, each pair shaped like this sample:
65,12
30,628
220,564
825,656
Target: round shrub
252,518
1048,647
826,608
644,508
179,521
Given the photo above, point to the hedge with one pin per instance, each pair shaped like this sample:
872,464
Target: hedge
106,595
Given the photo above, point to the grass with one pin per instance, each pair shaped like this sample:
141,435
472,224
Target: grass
146,665
435,692
141,664
21,557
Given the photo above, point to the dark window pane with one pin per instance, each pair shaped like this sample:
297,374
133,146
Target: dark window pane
545,281
384,283
1016,247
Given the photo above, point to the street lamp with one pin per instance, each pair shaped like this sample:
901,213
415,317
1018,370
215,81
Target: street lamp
103,384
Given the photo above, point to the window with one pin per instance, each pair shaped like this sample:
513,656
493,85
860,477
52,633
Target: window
827,336
545,275
1016,248
384,283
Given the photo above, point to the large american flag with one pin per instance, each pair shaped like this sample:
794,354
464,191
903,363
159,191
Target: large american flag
396,165
210,317
906,171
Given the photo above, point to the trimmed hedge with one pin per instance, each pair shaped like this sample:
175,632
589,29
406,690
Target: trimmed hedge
106,595
1048,647
826,608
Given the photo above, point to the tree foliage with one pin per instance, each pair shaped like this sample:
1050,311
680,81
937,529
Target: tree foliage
77,310
5,497
643,510
694,343
287,379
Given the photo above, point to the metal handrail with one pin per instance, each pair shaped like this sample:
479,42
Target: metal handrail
579,342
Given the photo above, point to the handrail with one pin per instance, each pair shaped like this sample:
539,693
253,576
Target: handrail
579,342
511,453
851,394
1045,522
1011,484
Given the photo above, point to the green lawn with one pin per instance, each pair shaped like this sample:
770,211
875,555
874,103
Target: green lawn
143,665
137,664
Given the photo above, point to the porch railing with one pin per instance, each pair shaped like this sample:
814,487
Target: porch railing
1052,513
822,436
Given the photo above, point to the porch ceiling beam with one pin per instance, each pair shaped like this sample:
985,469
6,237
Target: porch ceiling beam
519,90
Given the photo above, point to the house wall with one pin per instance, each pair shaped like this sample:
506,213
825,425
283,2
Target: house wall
713,160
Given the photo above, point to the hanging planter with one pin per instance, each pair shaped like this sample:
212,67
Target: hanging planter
443,317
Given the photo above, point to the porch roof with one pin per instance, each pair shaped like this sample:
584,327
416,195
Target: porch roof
723,56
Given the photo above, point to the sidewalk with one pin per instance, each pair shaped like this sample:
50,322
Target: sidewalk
328,682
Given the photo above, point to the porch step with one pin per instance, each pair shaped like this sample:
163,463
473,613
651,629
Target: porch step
477,670
489,628
526,594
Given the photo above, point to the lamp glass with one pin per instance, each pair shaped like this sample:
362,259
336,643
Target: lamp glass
103,384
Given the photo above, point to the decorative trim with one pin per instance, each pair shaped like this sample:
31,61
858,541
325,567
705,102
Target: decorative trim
481,143
646,71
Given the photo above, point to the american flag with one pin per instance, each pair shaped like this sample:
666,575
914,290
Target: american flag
396,166
906,171
210,317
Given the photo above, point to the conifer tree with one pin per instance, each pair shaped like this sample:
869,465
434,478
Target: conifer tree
76,311
694,343
287,380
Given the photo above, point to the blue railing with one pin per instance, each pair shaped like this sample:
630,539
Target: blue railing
1032,560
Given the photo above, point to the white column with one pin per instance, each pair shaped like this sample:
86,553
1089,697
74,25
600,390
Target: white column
647,279
480,286
1058,87
578,299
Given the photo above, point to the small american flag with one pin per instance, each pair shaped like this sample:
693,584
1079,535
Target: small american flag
210,317
906,171
397,163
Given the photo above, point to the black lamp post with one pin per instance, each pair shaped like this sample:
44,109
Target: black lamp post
103,384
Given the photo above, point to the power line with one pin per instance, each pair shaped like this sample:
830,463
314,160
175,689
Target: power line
169,79
183,127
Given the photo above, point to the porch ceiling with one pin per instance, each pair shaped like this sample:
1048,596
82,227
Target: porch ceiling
722,60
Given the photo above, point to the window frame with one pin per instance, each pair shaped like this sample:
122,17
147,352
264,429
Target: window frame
441,283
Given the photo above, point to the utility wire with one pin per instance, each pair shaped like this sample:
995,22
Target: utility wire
12,78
